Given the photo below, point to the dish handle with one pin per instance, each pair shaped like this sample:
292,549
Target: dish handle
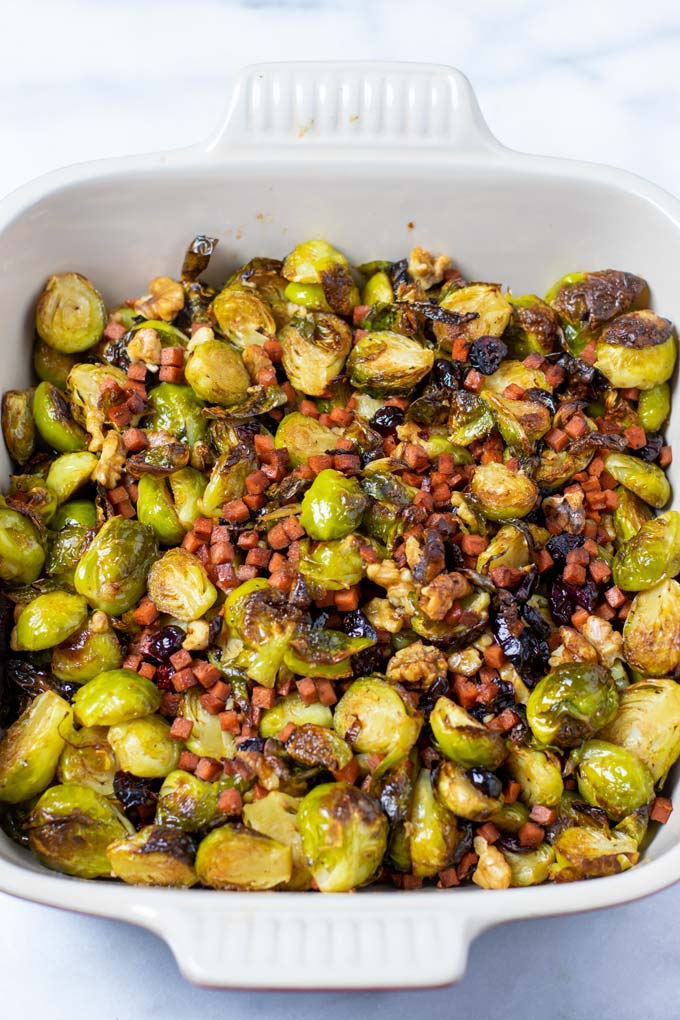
353,106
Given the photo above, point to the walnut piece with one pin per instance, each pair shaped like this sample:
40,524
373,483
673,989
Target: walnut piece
145,347
111,462
427,269
437,598
493,871
573,647
417,664
164,301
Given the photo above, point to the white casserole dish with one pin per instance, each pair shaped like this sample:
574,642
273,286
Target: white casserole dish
376,158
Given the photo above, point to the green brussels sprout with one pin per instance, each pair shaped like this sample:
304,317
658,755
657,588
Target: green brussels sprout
187,802
521,423
325,273
511,817
54,422
463,739
52,366
501,493
554,468
534,327
530,868
77,511
654,406
68,472
332,507
87,386
378,289
21,551
112,573
648,725
50,619
71,314
652,555
485,301
179,585
144,747
538,773
243,318
227,480
386,724
235,857
651,633
70,828
344,836
308,295
314,351
456,791
318,746
115,696
88,760
30,748
263,275
92,650
303,437
171,505
469,418
156,855
324,653
383,362
515,372
265,622
636,824
508,548
582,852
432,831
646,480
18,425
611,778
29,493
637,349
586,301
630,514
292,709
216,373
65,550
333,566
176,409
207,738
571,704
308,261
276,816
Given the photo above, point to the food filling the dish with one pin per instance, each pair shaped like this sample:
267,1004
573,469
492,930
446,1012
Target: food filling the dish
331,576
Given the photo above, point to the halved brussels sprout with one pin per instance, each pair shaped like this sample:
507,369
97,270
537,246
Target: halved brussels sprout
374,719
484,300
216,373
187,802
515,372
648,725
265,622
455,789
532,867
501,493
70,828
18,425
314,351
171,505
556,468
318,746
176,409
92,650
115,696
431,830
463,739
584,852
78,511
534,327
383,362
303,437
65,550
508,548
21,550
276,816
88,386
156,855
637,349
50,619
30,748
179,585
332,507
652,555
227,479
469,418
207,738
651,633
52,366
307,295
308,261
344,836
112,573
588,300
611,778
378,289
654,406
630,514
144,747
511,817
571,704
68,472
324,653
333,566
521,423
235,857
30,494
538,773
646,480
71,314
88,760
53,420
325,273
243,317
292,709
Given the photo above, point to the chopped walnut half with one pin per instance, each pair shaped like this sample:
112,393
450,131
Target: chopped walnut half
427,269
99,622
465,662
197,637
566,512
201,336
493,871
384,616
437,598
145,347
607,642
164,301
573,647
111,461
417,664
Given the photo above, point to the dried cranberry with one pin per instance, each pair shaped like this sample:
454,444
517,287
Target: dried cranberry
651,451
446,373
560,545
484,781
252,744
165,643
138,797
487,353
163,677
386,419
566,598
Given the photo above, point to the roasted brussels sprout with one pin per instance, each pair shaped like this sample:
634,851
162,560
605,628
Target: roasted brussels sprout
179,585
30,748
517,373
469,418
70,828
276,816
171,505
483,300
463,739
52,366
318,746
292,709
654,406
54,422
586,301
378,289
333,506
646,480
582,852
571,704
534,327
521,423
69,472
651,633
508,548
538,773
344,836
216,373
88,386
265,623
375,719
92,650
333,566
431,830
314,351
176,409
532,867
303,437
71,314
21,550
88,760
115,697
156,855
243,318
112,573
50,619
320,275
648,725
385,362
468,794
235,857
187,802
18,425
501,493
324,653
611,778
207,739
29,494
637,349
630,514
144,747
652,555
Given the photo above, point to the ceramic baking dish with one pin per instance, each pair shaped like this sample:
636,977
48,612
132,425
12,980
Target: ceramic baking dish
376,158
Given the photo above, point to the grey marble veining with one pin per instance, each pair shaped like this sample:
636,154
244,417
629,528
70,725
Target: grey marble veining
81,79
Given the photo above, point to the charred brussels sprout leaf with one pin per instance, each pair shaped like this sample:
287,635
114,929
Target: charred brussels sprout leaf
324,653
385,362
571,704
156,855
611,778
652,555
30,748
179,585
638,349
314,351
648,725
534,327
115,696
651,633
463,739
235,857
71,314
112,573
332,507
318,746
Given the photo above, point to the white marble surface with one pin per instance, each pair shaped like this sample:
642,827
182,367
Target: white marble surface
87,78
